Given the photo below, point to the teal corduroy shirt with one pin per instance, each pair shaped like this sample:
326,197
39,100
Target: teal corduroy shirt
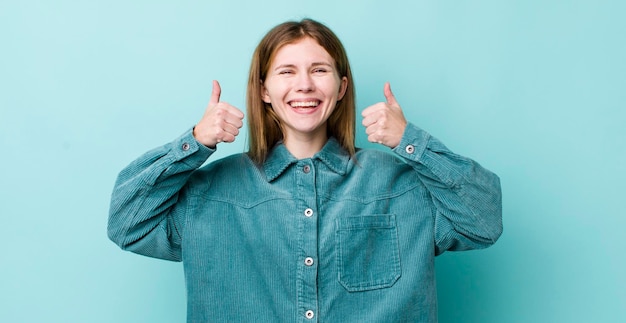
324,239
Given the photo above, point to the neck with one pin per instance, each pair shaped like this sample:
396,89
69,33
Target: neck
305,146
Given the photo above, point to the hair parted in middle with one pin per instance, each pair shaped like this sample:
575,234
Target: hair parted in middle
264,126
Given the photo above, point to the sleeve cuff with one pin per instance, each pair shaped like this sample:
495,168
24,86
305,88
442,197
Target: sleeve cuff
187,149
413,143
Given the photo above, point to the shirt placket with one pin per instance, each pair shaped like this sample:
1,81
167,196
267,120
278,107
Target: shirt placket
307,257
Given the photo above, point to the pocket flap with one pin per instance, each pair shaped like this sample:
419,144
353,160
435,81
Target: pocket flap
368,253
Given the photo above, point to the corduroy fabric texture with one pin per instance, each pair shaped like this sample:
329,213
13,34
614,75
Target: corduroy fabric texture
323,239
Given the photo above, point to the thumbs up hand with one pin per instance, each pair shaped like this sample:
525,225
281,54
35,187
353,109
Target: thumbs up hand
384,122
221,121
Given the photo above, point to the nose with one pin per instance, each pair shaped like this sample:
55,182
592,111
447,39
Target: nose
305,83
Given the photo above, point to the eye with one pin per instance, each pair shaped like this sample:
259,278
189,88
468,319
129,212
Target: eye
320,70
285,72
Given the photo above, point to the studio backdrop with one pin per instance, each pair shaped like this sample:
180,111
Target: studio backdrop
533,90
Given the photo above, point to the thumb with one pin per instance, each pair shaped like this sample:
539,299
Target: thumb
391,99
215,94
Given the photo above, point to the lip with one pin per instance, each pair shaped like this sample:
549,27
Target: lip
304,103
304,106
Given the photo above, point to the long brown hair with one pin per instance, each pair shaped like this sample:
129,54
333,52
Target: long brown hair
263,124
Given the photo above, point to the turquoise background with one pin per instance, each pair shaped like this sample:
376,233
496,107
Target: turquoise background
534,90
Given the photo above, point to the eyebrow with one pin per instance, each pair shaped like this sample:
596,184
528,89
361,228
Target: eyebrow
312,65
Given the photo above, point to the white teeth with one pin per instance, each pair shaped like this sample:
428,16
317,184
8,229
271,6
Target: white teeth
304,104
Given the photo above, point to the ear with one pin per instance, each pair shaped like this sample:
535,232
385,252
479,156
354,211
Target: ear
265,96
342,88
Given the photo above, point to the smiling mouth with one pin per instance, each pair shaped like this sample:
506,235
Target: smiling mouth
304,104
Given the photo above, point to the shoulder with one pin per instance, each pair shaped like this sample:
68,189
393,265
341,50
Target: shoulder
235,180
373,158
237,161
229,170
378,174
380,165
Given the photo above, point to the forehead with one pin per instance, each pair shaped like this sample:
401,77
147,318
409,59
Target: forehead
305,50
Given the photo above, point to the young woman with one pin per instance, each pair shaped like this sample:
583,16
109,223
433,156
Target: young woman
304,226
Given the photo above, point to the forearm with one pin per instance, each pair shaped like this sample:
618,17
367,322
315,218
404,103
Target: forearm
143,217
466,195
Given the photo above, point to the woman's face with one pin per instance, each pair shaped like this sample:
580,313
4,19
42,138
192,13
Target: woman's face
303,88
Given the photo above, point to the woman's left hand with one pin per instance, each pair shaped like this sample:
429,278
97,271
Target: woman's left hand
384,121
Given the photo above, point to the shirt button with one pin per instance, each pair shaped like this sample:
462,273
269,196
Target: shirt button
185,146
309,314
308,261
410,149
306,169
308,213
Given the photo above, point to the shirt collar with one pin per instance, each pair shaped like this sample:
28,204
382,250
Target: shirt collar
332,154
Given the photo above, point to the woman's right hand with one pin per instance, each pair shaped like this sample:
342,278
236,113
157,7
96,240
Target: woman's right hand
220,123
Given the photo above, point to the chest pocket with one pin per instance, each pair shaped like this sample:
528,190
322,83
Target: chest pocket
368,255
